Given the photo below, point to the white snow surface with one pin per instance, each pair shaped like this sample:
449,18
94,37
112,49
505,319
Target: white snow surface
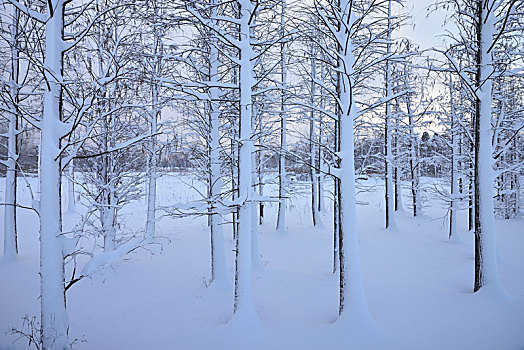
418,285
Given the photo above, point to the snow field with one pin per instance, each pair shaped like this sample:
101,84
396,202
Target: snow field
418,285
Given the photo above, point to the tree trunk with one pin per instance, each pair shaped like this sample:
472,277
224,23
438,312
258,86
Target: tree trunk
336,188
413,160
388,149
54,319
218,258
244,305
254,207
486,271
71,187
282,180
352,302
454,169
313,170
399,205
10,229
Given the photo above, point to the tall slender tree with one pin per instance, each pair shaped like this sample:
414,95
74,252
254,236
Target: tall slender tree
282,177
489,22
11,99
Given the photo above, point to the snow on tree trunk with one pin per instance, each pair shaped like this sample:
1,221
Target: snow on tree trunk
255,256
321,140
54,319
108,221
471,207
71,187
413,160
454,169
10,231
108,204
352,291
517,181
390,200
244,305
486,271
399,204
218,258
218,265
336,185
259,170
336,221
312,148
313,153
282,181
254,207
151,189
155,115
234,182
353,309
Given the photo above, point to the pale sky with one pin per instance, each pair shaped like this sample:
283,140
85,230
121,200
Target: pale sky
427,28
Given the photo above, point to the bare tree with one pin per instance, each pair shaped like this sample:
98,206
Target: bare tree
488,21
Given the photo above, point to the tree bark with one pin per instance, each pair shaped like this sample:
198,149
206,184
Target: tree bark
10,228
54,319
486,271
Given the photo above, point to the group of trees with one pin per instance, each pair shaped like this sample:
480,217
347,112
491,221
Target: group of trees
106,88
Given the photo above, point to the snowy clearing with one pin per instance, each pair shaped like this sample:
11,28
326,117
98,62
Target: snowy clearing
418,285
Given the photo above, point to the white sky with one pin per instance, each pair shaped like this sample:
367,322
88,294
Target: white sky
427,28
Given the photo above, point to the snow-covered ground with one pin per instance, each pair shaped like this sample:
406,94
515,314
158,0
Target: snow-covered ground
418,285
